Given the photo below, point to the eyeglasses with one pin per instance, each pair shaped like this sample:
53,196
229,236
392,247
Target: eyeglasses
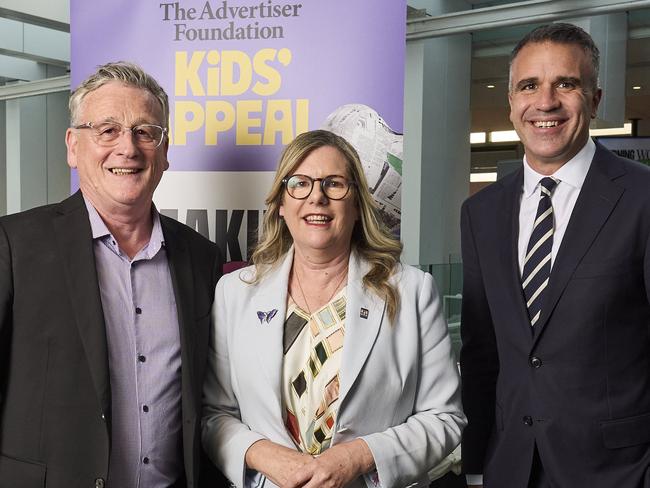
334,187
107,133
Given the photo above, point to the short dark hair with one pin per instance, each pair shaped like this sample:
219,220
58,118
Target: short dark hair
561,33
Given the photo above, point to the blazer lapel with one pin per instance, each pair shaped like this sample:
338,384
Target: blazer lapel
503,212
511,204
74,238
598,197
267,336
364,314
180,268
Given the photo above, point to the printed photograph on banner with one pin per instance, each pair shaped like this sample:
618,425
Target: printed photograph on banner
244,77
380,150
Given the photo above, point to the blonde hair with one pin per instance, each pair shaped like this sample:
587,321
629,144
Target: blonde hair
128,73
370,238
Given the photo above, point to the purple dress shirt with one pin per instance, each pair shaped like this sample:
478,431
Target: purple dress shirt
144,357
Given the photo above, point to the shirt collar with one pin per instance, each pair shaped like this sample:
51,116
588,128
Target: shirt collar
573,172
97,225
99,231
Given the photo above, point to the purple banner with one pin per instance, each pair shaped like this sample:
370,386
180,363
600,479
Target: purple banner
244,77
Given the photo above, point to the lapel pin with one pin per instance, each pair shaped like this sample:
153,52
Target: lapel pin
266,316
363,313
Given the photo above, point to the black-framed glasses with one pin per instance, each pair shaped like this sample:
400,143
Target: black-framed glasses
107,133
334,187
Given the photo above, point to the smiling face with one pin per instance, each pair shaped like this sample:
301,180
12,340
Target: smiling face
121,178
318,224
552,99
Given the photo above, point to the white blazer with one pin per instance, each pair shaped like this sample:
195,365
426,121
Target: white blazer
399,385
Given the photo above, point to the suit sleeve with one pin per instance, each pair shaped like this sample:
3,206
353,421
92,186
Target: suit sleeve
404,453
210,476
225,437
6,300
646,265
217,271
479,360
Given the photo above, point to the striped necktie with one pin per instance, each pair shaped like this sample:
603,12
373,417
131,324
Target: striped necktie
537,263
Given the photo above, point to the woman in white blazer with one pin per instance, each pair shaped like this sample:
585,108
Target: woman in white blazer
330,363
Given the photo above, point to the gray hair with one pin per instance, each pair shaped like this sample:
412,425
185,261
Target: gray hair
128,73
560,33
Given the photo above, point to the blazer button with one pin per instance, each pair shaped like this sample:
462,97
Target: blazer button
535,362
99,483
528,420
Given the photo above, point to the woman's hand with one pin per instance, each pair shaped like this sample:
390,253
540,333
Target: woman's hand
277,462
334,468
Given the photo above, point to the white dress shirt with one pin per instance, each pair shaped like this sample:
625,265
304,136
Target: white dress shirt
570,177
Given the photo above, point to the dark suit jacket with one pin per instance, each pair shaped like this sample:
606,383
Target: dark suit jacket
585,399
55,397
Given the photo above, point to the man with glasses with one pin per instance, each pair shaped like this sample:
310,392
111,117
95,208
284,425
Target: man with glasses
105,310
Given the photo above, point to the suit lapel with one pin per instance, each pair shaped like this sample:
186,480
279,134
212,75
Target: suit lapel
74,239
180,268
267,336
360,333
597,199
512,203
505,213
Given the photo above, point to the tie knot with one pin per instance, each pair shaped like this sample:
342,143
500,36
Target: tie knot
548,185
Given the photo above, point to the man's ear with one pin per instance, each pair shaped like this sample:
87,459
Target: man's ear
165,151
595,101
71,140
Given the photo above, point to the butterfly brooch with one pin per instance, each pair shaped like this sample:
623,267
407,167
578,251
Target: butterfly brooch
266,316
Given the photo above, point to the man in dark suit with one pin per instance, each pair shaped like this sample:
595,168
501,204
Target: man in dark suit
556,294
105,310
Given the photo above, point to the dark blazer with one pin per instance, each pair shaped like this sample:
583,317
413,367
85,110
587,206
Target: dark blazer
55,399
578,387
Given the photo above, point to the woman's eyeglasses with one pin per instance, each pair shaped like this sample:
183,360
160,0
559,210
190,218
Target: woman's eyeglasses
334,187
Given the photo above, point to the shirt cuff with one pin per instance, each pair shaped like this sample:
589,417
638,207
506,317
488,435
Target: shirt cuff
474,479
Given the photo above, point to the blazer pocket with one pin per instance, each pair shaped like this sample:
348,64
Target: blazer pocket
606,268
626,432
17,473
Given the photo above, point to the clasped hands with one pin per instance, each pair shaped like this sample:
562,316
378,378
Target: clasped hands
336,467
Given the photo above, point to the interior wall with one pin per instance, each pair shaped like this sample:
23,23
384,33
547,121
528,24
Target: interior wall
3,159
33,167
58,173
56,10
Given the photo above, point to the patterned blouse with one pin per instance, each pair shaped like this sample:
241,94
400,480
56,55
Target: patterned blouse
310,374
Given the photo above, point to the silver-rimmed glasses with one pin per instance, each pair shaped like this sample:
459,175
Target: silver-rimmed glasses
334,187
107,133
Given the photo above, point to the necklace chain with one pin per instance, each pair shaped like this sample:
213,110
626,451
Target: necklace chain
343,275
